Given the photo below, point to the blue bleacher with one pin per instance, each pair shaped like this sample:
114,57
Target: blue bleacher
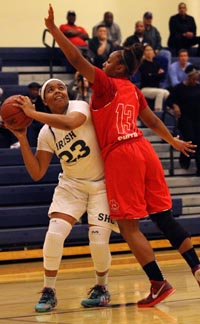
34,57
28,56
9,78
24,206
13,89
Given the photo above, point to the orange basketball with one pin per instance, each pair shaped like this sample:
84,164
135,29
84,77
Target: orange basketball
14,116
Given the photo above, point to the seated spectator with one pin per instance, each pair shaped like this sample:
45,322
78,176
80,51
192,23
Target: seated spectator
184,99
114,31
137,37
79,89
34,129
182,28
77,34
151,74
161,57
100,46
7,138
153,37
176,71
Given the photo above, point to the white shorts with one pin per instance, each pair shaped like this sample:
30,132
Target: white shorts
75,197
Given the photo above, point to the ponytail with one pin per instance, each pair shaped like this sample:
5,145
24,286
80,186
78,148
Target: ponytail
132,57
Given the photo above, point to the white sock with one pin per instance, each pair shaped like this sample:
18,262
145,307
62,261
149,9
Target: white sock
50,282
102,280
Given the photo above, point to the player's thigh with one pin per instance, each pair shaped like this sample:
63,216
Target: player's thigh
68,198
98,208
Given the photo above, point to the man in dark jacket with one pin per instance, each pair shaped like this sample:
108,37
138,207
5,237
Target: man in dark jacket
182,31
184,99
138,36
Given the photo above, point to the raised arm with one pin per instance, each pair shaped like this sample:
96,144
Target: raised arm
71,52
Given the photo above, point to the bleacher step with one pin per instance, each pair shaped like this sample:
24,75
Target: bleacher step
183,181
166,163
189,199
191,210
181,172
185,190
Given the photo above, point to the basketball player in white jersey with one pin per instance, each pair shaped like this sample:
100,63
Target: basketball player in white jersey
68,132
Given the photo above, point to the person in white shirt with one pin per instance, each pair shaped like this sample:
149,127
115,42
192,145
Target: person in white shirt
69,133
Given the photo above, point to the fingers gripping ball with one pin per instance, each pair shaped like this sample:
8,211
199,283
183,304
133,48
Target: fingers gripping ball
14,116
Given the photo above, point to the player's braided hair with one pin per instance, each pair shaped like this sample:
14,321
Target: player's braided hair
132,57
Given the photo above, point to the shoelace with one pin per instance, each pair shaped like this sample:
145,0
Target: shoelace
94,291
46,294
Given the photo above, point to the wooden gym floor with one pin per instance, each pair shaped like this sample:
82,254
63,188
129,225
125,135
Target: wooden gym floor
21,282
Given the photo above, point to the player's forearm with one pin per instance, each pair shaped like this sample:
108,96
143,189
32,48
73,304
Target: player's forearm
162,131
69,122
30,161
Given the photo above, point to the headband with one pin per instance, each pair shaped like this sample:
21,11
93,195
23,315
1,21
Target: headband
42,90
125,63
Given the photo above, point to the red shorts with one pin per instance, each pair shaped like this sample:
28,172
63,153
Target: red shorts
135,181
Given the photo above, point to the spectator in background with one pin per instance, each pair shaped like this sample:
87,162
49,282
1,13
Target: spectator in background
176,71
76,34
151,74
185,99
79,89
138,36
153,37
182,28
100,46
114,31
34,129
151,33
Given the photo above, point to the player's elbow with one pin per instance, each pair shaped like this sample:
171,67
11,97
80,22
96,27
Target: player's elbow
35,177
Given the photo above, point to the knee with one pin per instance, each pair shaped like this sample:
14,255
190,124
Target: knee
58,230
52,250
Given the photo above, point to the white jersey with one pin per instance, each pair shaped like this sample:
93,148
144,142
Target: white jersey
77,149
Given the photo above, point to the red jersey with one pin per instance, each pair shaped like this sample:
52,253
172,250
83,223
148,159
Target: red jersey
135,181
115,121
76,40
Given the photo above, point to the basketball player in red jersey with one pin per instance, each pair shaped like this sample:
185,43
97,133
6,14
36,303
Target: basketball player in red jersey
135,180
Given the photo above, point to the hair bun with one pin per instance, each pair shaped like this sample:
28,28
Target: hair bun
138,50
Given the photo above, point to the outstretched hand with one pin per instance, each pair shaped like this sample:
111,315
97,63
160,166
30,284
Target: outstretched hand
184,147
49,21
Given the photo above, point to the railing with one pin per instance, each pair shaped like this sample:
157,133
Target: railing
51,48
172,126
